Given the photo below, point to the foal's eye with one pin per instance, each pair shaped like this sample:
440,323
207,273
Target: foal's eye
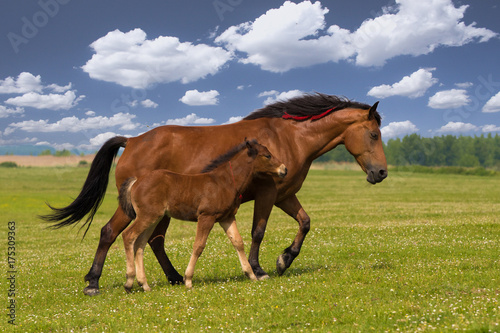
267,156
374,136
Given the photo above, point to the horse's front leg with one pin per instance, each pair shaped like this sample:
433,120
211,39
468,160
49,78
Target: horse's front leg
157,243
265,198
292,207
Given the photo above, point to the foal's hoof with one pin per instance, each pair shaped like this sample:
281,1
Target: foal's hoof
281,265
91,291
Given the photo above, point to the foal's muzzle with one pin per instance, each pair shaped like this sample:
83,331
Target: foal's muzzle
282,171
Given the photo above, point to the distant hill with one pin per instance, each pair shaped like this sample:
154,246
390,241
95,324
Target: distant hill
33,150
24,150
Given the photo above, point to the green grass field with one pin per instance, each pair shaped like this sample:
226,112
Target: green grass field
418,252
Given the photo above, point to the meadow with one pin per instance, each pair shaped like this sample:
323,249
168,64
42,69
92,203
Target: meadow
418,252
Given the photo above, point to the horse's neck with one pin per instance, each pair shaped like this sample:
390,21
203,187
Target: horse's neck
239,170
315,138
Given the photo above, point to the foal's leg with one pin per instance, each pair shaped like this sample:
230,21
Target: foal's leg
292,207
130,236
109,232
233,234
140,245
205,225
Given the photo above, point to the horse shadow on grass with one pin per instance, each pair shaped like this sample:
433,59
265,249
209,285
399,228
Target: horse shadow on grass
237,278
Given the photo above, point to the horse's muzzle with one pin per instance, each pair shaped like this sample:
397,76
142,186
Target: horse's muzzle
376,175
282,171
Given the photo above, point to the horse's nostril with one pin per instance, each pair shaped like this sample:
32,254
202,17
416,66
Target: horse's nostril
382,173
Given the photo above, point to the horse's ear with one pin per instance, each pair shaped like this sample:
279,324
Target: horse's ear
373,111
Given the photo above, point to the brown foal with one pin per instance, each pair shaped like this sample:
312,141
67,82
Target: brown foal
206,198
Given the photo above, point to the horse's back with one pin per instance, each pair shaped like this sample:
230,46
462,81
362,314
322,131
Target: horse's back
181,149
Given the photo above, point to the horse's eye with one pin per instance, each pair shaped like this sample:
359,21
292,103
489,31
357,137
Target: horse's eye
374,136
268,157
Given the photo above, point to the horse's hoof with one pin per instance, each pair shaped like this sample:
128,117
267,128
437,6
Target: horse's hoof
128,290
281,265
91,291
176,281
263,277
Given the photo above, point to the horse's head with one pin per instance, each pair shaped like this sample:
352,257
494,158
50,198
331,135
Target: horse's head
264,161
364,141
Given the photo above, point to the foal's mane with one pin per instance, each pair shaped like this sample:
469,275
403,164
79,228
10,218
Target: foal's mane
221,159
307,105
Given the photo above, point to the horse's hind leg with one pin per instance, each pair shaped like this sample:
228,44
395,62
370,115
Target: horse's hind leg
205,225
157,243
233,234
109,232
292,207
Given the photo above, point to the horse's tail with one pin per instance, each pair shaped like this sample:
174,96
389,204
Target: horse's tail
125,199
93,190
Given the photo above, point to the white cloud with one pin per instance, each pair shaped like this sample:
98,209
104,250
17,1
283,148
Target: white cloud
457,127
99,140
233,120
26,82
274,95
147,103
197,98
131,60
59,89
412,86
50,101
464,85
414,28
191,119
276,41
90,113
493,104
7,112
73,124
490,128
449,99
400,128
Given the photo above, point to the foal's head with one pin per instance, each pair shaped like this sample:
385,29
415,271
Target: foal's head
364,141
264,161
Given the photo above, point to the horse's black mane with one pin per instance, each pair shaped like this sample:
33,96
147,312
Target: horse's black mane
307,105
216,162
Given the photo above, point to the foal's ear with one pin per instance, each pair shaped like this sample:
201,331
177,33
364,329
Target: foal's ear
373,111
252,151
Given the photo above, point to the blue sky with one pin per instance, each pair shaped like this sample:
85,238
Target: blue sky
74,73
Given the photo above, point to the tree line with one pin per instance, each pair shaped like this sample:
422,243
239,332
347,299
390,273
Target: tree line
464,151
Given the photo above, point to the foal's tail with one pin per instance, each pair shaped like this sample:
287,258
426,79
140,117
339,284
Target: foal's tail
93,190
125,199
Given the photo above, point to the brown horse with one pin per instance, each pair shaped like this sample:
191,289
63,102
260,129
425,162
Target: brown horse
211,196
295,131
